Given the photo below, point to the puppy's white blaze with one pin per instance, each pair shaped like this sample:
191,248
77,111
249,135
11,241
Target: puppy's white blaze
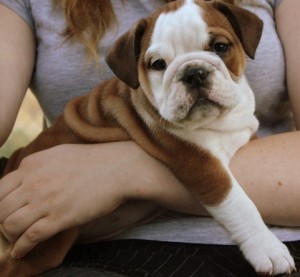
183,30
176,33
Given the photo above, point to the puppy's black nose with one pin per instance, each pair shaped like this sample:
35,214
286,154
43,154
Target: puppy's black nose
195,76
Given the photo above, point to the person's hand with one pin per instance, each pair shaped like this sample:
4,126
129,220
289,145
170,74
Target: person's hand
70,185
58,188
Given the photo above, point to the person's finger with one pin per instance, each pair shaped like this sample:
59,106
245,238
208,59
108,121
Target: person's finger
36,233
19,221
14,201
9,183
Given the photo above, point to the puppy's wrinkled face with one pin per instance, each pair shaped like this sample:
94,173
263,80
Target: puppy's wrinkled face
188,59
194,63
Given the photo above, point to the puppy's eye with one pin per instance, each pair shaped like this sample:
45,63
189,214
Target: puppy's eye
220,48
159,64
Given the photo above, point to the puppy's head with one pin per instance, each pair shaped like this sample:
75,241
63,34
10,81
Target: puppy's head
189,58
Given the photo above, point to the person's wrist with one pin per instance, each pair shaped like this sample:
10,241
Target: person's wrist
141,174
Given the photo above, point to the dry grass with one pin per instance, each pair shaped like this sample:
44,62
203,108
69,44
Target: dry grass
29,123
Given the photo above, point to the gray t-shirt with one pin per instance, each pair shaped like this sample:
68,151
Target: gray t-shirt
61,74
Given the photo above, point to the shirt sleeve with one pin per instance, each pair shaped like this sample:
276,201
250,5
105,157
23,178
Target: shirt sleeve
277,2
22,8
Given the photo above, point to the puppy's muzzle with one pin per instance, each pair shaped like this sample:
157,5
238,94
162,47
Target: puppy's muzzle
196,80
195,77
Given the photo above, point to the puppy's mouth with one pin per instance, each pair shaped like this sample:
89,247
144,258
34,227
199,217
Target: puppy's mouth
201,97
203,105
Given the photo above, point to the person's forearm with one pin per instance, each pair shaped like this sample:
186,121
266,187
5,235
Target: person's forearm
150,180
287,22
17,51
268,170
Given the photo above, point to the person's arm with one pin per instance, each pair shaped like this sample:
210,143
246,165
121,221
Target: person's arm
70,185
287,22
268,170
17,55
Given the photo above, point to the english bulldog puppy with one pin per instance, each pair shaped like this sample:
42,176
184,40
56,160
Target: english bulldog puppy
182,96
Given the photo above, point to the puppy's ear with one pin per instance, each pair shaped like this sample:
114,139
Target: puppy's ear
123,56
246,25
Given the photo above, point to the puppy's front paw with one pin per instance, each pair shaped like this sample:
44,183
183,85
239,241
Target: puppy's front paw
268,255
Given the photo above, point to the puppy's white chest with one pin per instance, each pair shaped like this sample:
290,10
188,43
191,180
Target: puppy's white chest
222,145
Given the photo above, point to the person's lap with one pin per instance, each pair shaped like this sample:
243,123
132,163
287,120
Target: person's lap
153,258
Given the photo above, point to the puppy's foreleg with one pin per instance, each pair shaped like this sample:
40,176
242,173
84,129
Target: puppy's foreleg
238,214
